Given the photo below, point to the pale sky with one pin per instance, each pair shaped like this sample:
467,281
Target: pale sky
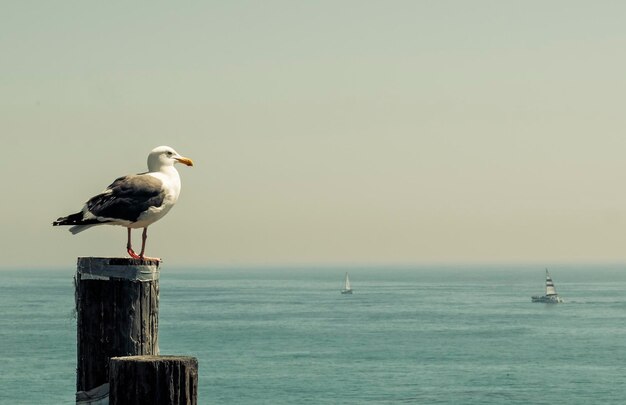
323,132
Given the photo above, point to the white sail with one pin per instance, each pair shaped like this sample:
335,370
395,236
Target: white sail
550,290
551,296
347,288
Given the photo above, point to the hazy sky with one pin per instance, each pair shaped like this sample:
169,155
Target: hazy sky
322,131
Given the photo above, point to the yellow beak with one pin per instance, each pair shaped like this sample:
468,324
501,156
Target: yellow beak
185,161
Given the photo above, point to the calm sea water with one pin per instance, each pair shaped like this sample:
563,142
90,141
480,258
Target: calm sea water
423,335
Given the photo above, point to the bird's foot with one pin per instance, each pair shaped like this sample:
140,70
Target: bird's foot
158,259
132,253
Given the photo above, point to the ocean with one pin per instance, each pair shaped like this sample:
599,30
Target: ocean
408,335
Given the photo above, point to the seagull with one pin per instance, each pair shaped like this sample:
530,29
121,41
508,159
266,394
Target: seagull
134,201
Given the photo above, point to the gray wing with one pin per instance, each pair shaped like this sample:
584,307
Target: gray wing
127,197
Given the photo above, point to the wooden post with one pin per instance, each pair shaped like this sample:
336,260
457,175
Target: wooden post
153,380
117,305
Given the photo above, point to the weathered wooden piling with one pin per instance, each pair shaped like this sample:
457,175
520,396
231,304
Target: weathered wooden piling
153,380
117,306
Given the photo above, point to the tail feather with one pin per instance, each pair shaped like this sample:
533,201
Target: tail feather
74,219
78,222
79,228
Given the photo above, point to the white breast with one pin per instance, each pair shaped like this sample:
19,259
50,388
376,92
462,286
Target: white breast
171,188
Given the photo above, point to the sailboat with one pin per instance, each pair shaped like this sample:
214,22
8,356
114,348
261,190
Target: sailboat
347,288
551,296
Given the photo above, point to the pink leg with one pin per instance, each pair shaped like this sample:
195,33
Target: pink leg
144,237
129,247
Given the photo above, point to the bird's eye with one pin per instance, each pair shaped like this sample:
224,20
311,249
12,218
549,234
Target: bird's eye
169,153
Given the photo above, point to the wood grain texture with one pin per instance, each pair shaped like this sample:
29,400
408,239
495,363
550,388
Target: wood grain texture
115,317
153,380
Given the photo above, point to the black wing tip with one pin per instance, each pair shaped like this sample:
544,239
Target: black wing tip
61,221
74,219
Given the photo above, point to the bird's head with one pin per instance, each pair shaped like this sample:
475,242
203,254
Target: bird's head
165,156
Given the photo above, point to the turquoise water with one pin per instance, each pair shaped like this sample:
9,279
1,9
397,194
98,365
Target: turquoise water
423,335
